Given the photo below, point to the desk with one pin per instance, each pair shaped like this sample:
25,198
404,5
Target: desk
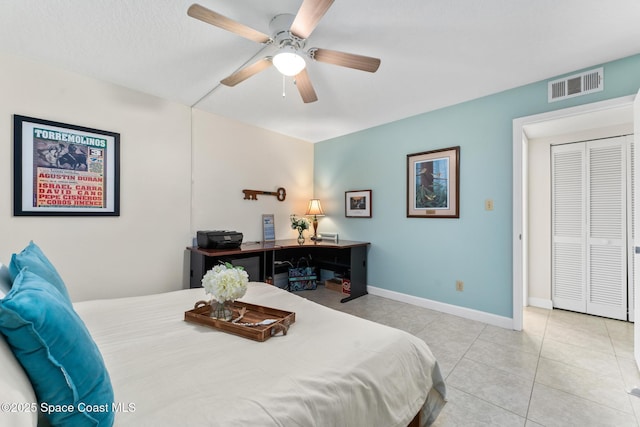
345,256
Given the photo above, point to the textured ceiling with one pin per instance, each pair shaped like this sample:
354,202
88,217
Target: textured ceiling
434,52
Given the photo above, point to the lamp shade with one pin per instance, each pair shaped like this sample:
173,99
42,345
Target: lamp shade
315,208
288,61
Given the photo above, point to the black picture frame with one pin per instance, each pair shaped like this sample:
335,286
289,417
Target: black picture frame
357,204
61,169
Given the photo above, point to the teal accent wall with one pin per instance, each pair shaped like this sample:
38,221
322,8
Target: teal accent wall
424,257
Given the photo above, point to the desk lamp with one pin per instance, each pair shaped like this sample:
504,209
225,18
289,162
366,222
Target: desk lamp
315,209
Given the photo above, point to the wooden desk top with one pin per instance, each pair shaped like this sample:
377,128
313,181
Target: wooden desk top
249,247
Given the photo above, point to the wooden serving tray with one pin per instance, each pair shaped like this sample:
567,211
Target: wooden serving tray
254,314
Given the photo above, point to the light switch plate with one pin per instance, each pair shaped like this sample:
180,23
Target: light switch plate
488,205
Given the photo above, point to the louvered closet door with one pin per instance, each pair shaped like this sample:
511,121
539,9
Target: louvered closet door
568,281
589,226
607,228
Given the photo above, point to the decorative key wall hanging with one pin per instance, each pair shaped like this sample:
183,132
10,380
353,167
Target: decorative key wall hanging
281,193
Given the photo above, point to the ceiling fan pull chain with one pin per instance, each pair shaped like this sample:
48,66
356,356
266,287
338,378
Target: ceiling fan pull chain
284,94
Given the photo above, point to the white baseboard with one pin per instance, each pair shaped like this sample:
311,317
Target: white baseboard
467,313
541,303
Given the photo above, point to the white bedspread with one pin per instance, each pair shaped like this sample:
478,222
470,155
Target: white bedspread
331,369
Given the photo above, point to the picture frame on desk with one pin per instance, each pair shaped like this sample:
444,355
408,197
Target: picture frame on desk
357,204
268,228
328,237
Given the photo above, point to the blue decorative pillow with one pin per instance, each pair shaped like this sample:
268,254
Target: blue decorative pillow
37,262
57,352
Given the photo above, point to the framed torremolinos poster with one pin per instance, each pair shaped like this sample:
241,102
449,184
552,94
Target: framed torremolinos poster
66,170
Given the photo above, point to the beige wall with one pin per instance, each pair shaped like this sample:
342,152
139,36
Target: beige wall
228,157
143,250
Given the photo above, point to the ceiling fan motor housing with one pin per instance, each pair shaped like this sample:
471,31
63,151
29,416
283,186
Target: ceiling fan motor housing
281,35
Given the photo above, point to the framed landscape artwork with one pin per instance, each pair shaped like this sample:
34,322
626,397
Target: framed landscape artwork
433,184
357,204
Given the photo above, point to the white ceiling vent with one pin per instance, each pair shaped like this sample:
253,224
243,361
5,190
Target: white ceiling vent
576,85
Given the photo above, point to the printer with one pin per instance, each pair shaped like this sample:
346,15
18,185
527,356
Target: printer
219,239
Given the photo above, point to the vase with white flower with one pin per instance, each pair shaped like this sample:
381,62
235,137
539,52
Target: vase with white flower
299,224
225,283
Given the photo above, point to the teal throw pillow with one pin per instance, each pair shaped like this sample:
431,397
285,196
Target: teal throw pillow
37,262
57,352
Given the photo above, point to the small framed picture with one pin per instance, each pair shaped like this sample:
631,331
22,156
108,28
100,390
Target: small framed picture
357,204
268,228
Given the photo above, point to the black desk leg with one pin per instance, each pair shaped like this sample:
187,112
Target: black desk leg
197,267
353,296
358,273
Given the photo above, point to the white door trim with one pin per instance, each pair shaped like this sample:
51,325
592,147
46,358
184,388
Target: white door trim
519,135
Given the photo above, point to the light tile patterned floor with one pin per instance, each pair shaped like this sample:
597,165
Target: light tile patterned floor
563,369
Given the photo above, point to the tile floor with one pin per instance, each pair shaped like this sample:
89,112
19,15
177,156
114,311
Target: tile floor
563,369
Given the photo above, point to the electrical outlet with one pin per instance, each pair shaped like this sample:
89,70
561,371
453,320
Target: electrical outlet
488,205
459,285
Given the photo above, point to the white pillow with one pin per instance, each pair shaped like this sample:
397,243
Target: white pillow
5,280
16,389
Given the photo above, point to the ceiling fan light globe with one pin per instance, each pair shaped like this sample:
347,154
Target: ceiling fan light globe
289,63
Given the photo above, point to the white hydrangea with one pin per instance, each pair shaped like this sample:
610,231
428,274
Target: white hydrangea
225,282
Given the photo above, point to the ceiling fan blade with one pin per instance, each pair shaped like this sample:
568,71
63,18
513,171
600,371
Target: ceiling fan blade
349,60
308,16
220,21
303,83
246,72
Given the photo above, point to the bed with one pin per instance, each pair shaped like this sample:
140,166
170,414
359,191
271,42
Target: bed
330,369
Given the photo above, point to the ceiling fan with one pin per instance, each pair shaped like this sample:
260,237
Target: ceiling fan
289,35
